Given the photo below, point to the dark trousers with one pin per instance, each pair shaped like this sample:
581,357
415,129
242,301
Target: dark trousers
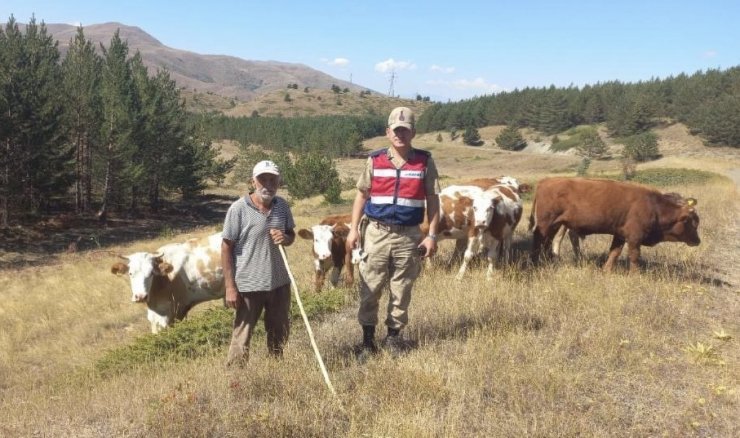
276,304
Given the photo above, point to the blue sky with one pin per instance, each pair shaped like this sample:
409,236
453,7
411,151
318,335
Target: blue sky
447,50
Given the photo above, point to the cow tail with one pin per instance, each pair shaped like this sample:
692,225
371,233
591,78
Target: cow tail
533,216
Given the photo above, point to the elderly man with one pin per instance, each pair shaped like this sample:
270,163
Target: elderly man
256,277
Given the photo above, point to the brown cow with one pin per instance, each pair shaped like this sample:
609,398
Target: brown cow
329,249
632,213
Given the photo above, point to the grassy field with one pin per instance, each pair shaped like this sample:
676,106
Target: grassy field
557,350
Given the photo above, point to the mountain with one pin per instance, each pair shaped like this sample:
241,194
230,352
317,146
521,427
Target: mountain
222,75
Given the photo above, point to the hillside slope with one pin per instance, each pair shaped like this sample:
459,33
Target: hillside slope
223,75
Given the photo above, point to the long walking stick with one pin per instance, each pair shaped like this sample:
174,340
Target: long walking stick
305,321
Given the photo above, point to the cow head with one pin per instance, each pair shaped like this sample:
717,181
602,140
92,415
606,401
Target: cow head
686,227
483,208
141,269
322,236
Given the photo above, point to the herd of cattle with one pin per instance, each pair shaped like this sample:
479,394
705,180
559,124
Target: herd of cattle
481,215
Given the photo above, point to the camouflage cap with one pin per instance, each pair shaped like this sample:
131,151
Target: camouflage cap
401,117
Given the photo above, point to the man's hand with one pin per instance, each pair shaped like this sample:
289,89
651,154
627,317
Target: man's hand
232,297
352,239
430,245
277,236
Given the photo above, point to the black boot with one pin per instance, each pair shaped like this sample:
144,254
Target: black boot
368,338
393,343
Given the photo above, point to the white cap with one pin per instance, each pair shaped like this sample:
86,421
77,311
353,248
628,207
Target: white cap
265,166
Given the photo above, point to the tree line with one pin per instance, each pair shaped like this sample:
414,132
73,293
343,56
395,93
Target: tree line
707,102
333,136
94,130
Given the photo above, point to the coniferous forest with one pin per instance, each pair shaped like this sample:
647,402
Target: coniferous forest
707,102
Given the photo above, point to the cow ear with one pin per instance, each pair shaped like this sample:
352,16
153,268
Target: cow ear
119,268
164,268
305,234
690,202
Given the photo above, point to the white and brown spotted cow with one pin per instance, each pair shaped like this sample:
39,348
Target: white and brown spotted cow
329,249
465,215
175,278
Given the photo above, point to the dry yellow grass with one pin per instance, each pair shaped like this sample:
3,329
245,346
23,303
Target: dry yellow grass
560,350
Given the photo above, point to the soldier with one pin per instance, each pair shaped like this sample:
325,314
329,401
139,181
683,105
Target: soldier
392,192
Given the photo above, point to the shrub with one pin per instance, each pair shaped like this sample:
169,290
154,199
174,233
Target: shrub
471,136
591,145
673,177
641,147
582,169
510,139
201,335
312,174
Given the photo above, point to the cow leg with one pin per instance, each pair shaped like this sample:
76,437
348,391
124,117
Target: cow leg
319,280
557,240
614,250
158,322
334,278
460,247
506,249
575,241
493,250
470,252
634,256
542,243
349,273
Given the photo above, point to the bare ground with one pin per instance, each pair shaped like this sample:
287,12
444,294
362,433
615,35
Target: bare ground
42,241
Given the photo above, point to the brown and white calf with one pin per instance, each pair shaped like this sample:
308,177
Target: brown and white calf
329,249
175,278
632,213
466,213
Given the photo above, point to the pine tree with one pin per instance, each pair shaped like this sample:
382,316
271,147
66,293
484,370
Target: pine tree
592,146
118,120
81,70
641,147
36,162
510,139
471,136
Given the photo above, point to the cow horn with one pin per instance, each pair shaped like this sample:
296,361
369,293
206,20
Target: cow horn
158,255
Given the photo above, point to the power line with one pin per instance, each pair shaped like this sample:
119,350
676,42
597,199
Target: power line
391,92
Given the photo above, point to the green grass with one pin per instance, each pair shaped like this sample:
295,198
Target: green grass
575,138
672,177
201,335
